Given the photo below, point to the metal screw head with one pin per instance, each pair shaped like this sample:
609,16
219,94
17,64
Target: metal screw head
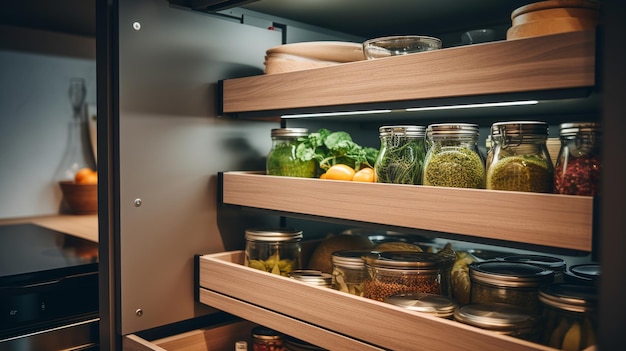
139,312
136,25
137,202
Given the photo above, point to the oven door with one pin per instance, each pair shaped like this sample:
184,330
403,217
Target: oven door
81,334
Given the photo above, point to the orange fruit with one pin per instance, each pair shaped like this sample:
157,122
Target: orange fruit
340,172
86,176
366,174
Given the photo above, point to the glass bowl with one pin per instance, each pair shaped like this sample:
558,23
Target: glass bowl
399,45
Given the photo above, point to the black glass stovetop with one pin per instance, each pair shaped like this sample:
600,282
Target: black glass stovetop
31,253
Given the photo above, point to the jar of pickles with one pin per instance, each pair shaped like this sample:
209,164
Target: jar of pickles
401,156
349,272
512,283
397,272
501,318
282,159
577,170
276,251
452,159
518,159
265,339
570,316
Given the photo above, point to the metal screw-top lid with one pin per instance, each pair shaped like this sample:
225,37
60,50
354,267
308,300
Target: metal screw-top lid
588,273
312,277
350,258
289,132
273,235
519,130
510,274
574,128
404,130
264,333
438,305
570,297
409,260
495,317
553,263
455,130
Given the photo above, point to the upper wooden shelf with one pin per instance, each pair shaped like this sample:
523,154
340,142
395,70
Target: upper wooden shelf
558,221
549,63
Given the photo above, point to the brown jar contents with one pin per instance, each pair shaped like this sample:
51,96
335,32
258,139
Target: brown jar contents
385,287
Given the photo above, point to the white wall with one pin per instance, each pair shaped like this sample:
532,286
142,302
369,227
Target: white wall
35,70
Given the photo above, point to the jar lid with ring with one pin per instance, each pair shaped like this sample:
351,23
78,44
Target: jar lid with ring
312,277
555,264
401,155
570,297
510,274
289,132
501,318
273,234
586,273
437,305
352,259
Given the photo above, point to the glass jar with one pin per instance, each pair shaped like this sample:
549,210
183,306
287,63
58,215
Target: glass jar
276,251
397,272
401,156
293,344
518,159
282,159
577,170
265,339
554,264
452,159
312,277
500,318
570,316
349,272
511,283
586,273
436,305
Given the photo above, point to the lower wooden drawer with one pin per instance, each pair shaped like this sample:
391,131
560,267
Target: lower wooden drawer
220,338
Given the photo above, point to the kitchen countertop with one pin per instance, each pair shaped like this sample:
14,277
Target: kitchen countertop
83,226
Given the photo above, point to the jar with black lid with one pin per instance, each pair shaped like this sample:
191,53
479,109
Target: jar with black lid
452,159
586,273
274,250
397,272
570,315
312,277
433,304
401,156
282,159
555,264
500,318
349,272
266,339
577,170
519,159
512,283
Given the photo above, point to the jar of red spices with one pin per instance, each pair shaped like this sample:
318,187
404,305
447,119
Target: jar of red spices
577,170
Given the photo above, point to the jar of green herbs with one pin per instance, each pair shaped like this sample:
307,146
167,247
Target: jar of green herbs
401,156
519,159
282,160
452,159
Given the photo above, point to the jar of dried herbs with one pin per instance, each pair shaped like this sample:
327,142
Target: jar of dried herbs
401,156
577,170
282,159
452,159
519,158
349,272
397,272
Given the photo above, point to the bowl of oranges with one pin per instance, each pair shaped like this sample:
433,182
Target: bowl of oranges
81,194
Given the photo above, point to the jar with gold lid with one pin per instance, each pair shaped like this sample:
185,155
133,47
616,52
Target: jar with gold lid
501,318
273,250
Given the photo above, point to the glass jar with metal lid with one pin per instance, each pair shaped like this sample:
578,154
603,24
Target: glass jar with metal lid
349,272
282,159
397,272
312,277
513,283
500,318
577,170
436,305
266,339
452,159
586,273
555,264
401,156
518,159
277,251
570,315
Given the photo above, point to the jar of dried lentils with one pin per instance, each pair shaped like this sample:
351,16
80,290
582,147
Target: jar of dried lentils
577,170
396,272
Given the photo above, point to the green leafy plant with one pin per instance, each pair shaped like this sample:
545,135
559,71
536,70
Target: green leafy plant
330,148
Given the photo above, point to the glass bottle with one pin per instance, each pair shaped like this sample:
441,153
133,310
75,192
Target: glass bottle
518,159
77,153
282,159
452,159
401,156
275,251
577,170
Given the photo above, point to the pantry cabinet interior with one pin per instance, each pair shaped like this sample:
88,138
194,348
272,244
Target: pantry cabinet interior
184,99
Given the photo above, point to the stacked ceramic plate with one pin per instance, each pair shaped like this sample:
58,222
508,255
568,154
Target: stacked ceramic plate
307,55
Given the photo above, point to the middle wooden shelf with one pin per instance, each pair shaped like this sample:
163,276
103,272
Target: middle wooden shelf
552,220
